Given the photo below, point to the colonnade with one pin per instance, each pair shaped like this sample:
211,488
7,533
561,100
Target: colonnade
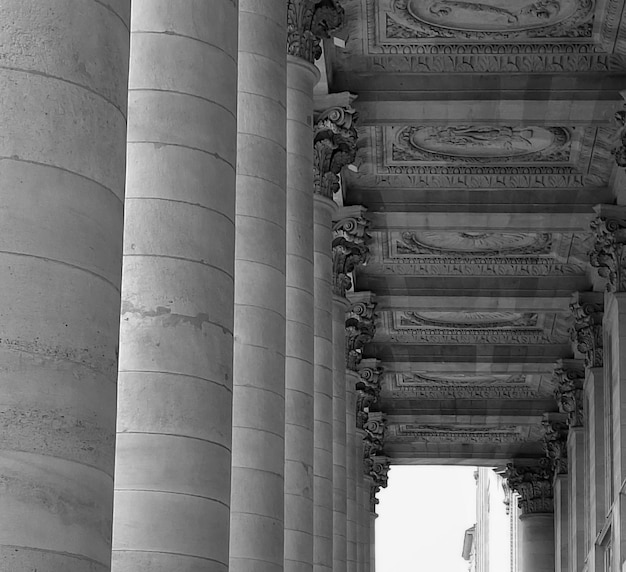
171,167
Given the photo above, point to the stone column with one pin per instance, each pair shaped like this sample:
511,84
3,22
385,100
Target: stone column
257,496
175,384
63,141
561,523
536,525
302,75
362,502
349,251
352,463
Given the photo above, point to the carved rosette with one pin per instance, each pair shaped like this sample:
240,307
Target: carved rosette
534,486
334,147
367,389
609,253
308,22
555,441
360,326
350,249
569,377
588,311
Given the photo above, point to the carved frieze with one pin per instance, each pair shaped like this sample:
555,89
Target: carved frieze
447,253
360,326
609,249
533,484
308,22
367,389
554,441
457,433
431,385
569,377
478,144
588,311
473,327
334,147
350,249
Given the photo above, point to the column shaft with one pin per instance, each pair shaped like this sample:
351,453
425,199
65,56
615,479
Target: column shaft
536,543
257,497
339,435
299,390
577,490
174,423
562,524
323,374
63,85
351,471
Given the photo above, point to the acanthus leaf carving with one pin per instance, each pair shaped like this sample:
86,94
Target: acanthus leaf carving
609,250
334,146
555,429
308,22
349,245
367,388
360,326
533,484
569,376
588,311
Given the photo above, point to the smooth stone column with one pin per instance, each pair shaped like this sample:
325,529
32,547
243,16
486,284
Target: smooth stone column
323,373
577,494
299,385
340,503
257,496
562,523
63,86
536,542
362,503
373,517
174,425
351,471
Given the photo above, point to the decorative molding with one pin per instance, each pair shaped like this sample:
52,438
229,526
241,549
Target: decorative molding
429,385
456,433
367,389
473,327
334,147
379,472
349,245
588,311
533,484
360,326
308,22
569,377
609,250
554,441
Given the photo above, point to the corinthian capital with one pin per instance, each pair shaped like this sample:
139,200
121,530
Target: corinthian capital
360,326
349,246
308,22
534,486
588,311
555,441
609,253
334,145
367,389
379,472
569,377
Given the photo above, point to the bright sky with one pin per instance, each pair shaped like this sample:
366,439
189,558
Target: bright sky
423,516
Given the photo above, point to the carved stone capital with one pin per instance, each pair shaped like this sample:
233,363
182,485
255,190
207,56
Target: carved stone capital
534,486
380,470
350,249
334,147
308,22
360,326
588,311
367,389
555,429
569,377
375,428
609,253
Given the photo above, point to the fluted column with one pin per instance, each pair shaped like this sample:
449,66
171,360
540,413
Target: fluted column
536,524
175,385
63,86
299,387
257,497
